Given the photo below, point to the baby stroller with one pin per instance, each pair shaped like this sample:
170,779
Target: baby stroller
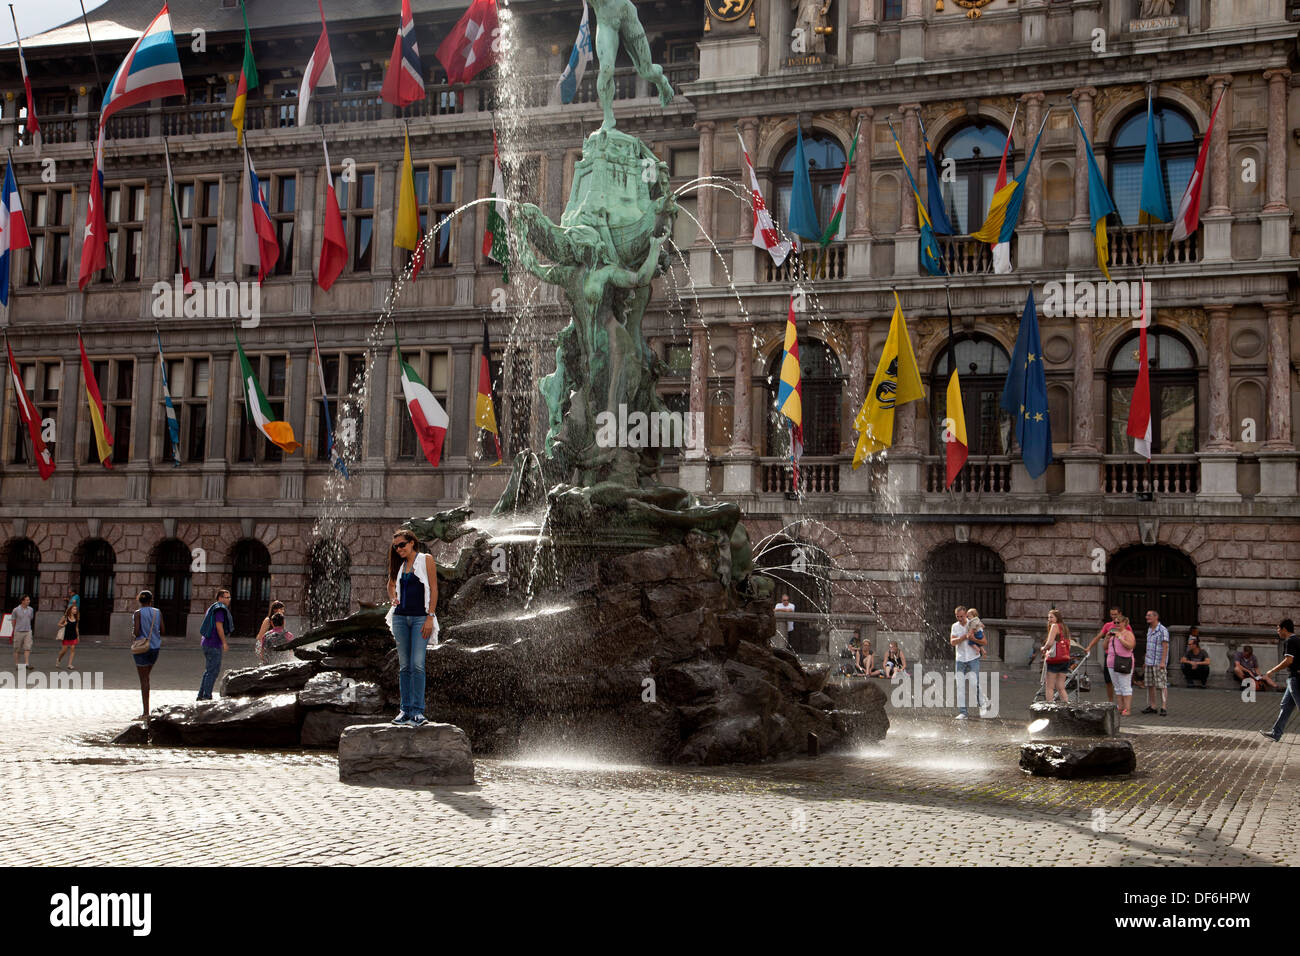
1077,680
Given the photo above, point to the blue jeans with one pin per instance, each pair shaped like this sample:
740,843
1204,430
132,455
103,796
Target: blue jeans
211,668
408,629
1290,699
967,671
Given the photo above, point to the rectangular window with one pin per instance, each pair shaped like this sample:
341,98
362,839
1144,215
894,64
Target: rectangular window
116,381
357,203
434,367
435,191
200,205
284,192
42,381
271,371
344,397
678,358
891,9
124,210
187,381
49,222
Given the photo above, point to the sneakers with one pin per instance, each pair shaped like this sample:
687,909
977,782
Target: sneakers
419,720
1163,712
401,720
961,717
1148,710
1265,733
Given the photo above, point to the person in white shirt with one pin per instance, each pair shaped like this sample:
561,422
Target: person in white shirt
786,607
967,652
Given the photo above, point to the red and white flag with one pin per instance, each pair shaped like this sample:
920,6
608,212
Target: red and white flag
94,242
1139,410
31,122
334,242
1188,216
472,44
319,72
27,412
765,234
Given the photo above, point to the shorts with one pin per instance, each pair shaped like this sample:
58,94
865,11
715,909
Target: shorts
22,641
148,658
1061,668
1157,677
1123,683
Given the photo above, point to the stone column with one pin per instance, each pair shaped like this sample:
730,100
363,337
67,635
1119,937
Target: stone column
1217,234
911,44
749,132
1218,460
1278,458
1082,466
293,468
1082,250
909,137
1029,235
738,475
1275,218
701,252
862,174
863,34
693,472
466,237
214,467
1033,23
464,389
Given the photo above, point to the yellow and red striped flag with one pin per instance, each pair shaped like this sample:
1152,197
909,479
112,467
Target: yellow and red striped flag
98,421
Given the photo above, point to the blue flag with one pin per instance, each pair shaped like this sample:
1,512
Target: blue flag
931,254
1025,395
802,220
1154,204
934,199
173,423
1100,205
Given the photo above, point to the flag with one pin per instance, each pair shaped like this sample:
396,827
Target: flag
404,81
1004,209
259,410
98,421
841,191
13,229
173,423
789,396
259,248
930,253
1100,205
1139,409
566,87
956,448
496,244
247,81
334,242
897,381
468,48
1025,394
485,415
803,214
94,242
939,220
181,263
151,70
428,417
406,231
31,123
27,412
1002,250
319,71
1153,206
765,234
1188,216
336,459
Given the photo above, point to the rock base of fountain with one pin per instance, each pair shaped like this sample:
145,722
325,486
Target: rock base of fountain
1069,759
387,756
1076,720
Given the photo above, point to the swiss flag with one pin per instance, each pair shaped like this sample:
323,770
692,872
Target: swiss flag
472,44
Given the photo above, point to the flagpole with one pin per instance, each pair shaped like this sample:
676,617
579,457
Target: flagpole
8,152
93,59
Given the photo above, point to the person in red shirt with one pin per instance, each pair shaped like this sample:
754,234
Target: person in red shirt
1056,651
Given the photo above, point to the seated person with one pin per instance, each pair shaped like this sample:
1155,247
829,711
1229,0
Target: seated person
849,658
1196,663
271,648
1245,666
895,661
867,660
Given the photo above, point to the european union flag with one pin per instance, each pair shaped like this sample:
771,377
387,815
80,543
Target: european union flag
1025,395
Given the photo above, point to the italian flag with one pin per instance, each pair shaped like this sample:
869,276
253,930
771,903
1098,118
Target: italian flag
259,409
428,417
98,421
837,216
495,244
485,415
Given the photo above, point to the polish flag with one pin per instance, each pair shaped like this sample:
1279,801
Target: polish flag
765,234
1188,216
1139,411
319,72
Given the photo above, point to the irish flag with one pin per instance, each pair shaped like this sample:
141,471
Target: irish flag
259,409
98,421
428,417
495,245
837,215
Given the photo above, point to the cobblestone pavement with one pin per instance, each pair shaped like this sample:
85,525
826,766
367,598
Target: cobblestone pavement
1208,789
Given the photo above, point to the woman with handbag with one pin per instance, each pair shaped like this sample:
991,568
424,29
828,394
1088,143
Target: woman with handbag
1056,651
68,633
1119,661
146,625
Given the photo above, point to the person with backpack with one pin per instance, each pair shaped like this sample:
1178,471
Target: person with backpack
146,625
218,623
1056,651
1120,642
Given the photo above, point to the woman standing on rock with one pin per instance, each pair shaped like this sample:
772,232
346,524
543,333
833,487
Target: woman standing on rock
413,589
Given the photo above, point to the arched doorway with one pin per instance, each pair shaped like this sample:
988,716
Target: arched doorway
250,585
22,573
1152,578
171,589
968,574
329,582
97,562
801,570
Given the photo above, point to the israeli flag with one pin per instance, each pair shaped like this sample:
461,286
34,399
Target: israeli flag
567,87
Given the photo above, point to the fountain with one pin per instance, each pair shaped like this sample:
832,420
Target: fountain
594,607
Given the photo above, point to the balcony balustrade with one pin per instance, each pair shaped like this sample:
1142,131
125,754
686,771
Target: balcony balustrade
1165,475
1150,246
991,475
817,476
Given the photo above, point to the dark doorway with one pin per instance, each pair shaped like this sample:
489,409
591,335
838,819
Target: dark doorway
97,562
1152,578
171,591
801,570
967,574
250,585
329,583
22,573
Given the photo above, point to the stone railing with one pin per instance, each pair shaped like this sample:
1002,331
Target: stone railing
817,476
985,475
1164,475
1150,246
814,263
964,256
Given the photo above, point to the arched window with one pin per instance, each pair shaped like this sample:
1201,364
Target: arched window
977,148
97,562
982,369
329,583
822,386
22,573
803,571
1176,142
250,584
171,585
965,574
825,158
1173,393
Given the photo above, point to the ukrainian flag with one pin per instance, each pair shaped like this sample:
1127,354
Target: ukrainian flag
1100,205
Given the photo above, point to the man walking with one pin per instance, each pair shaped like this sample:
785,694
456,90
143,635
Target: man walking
1105,671
23,615
217,626
1157,660
1291,659
968,661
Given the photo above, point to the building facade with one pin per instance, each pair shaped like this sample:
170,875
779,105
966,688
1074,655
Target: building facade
1209,532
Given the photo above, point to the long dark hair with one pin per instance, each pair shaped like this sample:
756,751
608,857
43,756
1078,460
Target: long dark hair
1065,630
394,559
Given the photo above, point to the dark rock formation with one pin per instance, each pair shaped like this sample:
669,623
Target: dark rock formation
254,681
268,721
1076,720
388,756
1078,758
322,728
330,689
